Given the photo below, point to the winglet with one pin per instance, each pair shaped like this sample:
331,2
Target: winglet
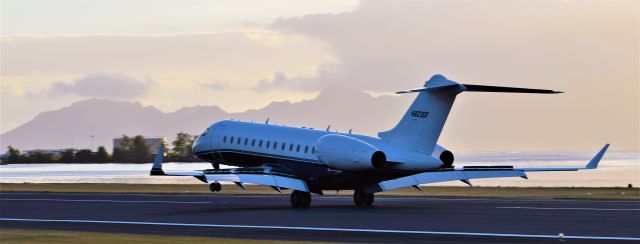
157,163
596,159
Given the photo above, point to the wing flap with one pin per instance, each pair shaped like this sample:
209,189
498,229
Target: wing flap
434,177
261,179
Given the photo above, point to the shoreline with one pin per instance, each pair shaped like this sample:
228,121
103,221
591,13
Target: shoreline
596,193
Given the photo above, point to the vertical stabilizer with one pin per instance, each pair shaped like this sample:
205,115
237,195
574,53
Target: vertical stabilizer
421,125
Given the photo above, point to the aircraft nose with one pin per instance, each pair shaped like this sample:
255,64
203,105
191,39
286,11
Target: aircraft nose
199,144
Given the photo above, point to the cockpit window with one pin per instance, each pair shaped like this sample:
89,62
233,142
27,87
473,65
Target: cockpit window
205,132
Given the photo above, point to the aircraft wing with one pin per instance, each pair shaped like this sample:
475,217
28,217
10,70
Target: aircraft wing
277,178
263,175
467,173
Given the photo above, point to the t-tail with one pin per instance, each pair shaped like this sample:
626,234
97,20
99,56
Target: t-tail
422,124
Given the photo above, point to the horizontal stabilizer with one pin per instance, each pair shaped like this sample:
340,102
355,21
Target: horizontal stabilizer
481,88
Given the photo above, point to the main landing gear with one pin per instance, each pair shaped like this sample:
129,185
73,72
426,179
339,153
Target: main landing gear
362,199
215,187
300,199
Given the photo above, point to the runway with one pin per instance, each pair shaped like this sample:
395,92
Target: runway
331,218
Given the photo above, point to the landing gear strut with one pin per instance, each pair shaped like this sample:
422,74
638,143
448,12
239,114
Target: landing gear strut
362,199
300,199
215,187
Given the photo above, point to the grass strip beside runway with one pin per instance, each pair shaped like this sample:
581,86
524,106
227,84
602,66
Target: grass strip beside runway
10,235
510,192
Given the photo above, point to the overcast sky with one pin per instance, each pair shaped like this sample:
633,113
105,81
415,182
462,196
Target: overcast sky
241,55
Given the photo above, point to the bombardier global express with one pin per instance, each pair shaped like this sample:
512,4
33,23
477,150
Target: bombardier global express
309,160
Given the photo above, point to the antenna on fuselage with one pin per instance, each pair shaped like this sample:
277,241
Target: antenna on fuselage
349,131
267,122
328,127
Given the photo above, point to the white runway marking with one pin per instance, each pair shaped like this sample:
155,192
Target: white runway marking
97,200
341,197
325,229
592,209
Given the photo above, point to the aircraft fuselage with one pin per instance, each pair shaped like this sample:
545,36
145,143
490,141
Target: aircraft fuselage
248,144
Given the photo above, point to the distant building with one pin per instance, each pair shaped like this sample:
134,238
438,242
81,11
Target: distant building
153,142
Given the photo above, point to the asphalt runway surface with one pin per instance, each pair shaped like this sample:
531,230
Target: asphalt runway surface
330,218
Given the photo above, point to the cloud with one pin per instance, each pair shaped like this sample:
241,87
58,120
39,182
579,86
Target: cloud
587,48
280,81
190,56
215,85
12,90
103,85
385,46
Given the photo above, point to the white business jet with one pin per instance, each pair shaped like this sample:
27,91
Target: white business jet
309,161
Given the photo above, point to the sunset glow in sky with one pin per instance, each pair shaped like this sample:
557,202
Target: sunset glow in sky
243,55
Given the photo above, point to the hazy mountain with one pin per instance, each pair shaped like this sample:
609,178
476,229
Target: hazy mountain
475,123
74,125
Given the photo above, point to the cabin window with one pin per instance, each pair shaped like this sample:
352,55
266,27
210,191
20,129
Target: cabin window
268,144
291,147
284,145
313,150
275,145
246,141
260,144
306,149
239,140
224,139
298,148
253,142
231,140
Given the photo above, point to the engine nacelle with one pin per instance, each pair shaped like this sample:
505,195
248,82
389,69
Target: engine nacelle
444,155
348,153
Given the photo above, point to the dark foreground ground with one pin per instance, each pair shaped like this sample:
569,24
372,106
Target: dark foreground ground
331,218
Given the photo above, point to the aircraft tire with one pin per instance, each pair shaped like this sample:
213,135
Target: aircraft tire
300,199
215,187
362,199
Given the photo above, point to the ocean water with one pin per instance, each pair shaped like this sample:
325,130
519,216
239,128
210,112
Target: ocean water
617,169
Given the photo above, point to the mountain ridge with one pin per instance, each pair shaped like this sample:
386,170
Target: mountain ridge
94,122
474,124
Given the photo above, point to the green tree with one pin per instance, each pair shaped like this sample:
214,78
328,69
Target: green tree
40,157
14,155
84,156
140,149
102,155
126,143
182,145
122,152
119,155
67,156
